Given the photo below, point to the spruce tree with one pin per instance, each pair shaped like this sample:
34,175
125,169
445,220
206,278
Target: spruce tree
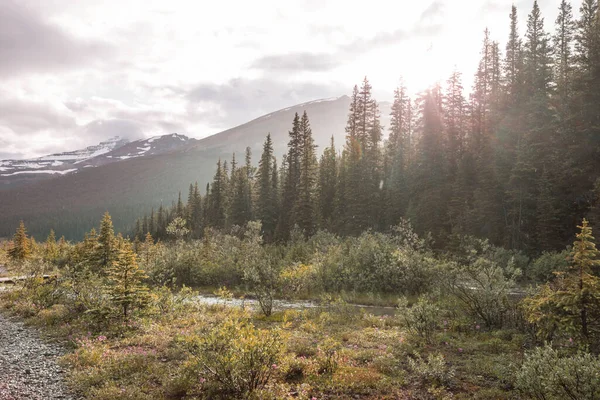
563,54
429,186
216,207
292,179
327,186
51,248
266,199
305,204
125,288
571,304
21,246
106,250
537,56
513,62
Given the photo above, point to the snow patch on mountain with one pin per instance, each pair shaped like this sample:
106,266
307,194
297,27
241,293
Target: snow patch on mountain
63,172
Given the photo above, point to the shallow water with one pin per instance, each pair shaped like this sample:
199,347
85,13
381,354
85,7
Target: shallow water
280,305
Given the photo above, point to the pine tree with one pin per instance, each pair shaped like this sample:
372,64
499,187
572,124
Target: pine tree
21,246
363,175
216,207
513,62
396,159
571,305
292,179
429,186
305,205
161,222
151,224
51,248
327,186
249,184
547,220
537,58
563,54
106,250
454,120
125,288
145,228
266,199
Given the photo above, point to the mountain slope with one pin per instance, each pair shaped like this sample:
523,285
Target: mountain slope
73,203
20,172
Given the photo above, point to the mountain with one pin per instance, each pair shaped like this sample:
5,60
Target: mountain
20,172
132,184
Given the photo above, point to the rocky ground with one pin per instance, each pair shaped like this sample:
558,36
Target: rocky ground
28,364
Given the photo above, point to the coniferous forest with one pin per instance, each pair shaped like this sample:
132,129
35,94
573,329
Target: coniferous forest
517,161
449,255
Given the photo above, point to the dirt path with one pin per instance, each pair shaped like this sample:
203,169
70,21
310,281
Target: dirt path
28,368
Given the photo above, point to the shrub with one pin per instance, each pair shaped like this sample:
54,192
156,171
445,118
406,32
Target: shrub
545,374
235,359
483,287
53,315
433,370
261,271
543,268
298,279
328,356
421,319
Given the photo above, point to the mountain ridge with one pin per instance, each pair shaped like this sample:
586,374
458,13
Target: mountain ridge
72,204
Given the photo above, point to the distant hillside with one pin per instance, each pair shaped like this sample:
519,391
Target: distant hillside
130,187
22,172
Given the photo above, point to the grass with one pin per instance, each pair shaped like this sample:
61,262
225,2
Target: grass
330,353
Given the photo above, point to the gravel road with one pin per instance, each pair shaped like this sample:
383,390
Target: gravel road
28,368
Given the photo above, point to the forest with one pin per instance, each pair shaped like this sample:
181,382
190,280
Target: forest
517,162
455,259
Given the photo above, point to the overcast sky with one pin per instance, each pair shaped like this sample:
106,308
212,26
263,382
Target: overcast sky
73,73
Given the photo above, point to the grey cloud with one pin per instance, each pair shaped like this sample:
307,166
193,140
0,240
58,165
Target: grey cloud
317,62
245,99
29,117
28,43
101,129
298,61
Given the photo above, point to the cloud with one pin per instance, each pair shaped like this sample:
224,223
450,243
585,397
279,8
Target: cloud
240,100
29,117
321,62
101,129
298,61
29,44
433,12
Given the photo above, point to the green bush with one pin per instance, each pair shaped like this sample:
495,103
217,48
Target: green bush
433,370
543,268
421,319
546,374
236,359
483,287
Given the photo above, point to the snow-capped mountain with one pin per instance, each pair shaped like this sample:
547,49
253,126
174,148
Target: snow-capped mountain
112,150
136,177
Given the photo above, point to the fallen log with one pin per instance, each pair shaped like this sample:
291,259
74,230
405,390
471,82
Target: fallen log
12,280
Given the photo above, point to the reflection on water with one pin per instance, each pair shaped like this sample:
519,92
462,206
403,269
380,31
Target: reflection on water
280,305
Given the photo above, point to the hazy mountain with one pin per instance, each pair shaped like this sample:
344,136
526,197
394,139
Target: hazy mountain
133,182
20,172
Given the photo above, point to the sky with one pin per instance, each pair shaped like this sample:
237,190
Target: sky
74,73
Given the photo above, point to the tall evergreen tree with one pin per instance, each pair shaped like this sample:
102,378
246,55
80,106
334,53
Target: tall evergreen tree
292,180
327,186
21,246
216,206
106,250
305,205
563,53
266,199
